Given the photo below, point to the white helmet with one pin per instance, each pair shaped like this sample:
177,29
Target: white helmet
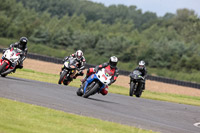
79,55
141,65
113,61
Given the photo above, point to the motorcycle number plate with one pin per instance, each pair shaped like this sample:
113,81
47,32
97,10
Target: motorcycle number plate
104,76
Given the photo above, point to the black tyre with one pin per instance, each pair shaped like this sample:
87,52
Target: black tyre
139,90
62,76
91,90
4,75
2,67
80,90
139,94
65,82
131,92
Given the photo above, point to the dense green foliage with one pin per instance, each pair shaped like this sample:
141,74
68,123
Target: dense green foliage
171,42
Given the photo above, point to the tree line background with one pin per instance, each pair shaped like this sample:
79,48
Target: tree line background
169,42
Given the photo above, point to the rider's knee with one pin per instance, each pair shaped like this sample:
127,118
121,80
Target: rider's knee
90,71
104,91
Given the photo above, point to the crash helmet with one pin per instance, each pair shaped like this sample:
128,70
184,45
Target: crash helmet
79,55
23,41
141,65
113,61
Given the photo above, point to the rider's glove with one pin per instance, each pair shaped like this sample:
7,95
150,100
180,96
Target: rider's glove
96,69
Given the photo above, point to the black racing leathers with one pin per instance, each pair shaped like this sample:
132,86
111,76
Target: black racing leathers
144,74
81,64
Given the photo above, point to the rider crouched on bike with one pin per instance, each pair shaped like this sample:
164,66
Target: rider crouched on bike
80,60
111,65
143,70
22,45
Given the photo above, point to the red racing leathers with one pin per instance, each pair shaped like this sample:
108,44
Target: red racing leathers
114,73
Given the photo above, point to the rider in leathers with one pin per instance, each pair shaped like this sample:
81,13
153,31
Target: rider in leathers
80,60
111,66
141,67
22,45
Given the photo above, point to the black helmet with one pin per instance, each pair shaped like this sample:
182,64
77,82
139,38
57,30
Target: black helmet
141,65
23,41
113,61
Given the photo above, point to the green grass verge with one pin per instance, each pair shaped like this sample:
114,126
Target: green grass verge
17,117
53,78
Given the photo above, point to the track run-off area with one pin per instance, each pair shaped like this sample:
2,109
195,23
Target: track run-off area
148,114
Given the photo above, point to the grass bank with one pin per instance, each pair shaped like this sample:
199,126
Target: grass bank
53,78
17,117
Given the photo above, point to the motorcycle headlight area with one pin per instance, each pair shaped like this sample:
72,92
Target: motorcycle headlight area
66,64
13,59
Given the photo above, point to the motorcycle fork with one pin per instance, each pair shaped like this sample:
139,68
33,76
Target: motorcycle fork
134,85
73,74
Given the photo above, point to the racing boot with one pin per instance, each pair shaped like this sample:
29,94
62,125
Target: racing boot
14,70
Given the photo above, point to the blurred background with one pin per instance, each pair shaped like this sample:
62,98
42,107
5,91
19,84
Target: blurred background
165,34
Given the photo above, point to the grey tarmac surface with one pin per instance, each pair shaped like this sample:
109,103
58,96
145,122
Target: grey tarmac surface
148,114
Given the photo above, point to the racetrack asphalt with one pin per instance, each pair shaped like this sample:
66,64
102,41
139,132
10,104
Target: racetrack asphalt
143,113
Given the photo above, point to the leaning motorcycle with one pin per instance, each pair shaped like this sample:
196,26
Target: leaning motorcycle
68,71
9,61
136,85
95,83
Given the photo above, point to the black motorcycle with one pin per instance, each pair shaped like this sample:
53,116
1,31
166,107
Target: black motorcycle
136,85
68,71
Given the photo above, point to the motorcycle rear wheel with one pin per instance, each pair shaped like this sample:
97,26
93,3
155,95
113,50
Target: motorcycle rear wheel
65,82
80,90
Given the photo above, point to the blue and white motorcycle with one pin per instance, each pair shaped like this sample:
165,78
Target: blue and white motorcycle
95,83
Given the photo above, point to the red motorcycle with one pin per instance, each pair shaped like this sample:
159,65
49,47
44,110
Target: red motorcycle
9,61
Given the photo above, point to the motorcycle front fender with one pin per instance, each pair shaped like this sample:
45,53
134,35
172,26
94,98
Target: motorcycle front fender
89,80
8,63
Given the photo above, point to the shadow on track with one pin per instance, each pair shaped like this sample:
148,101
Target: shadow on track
13,78
102,100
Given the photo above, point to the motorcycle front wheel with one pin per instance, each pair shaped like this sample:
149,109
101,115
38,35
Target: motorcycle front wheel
139,90
132,88
2,67
91,91
62,77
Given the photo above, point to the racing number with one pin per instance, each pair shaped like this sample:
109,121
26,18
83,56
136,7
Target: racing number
104,76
